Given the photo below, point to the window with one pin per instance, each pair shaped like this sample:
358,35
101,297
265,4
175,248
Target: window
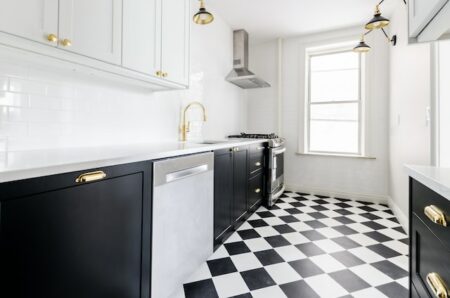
334,117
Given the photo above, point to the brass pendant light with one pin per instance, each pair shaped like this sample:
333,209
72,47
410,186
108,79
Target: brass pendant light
362,47
203,17
378,21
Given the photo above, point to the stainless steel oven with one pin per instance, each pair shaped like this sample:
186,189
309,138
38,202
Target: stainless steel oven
275,172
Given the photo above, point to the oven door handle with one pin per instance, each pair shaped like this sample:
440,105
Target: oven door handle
278,151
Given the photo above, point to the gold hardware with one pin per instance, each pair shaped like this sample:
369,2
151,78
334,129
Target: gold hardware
92,176
159,73
184,127
66,42
258,190
236,149
164,74
258,164
437,285
52,38
435,215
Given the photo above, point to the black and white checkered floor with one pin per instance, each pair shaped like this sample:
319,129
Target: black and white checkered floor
309,246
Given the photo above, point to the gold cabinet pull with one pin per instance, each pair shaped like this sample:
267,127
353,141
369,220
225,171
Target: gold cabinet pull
435,215
164,74
257,164
91,176
158,73
66,42
52,38
236,149
258,190
437,285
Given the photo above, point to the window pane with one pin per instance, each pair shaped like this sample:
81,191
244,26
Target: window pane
335,85
337,61
341,111
333,136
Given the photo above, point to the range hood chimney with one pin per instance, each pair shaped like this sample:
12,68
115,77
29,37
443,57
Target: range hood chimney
240,75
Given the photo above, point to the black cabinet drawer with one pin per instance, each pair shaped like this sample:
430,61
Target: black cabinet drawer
255,190
428,255
256,160
423,197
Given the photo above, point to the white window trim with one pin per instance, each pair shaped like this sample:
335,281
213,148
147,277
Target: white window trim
363,115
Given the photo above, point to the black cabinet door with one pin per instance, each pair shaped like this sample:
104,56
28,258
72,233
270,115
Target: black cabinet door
223,191
255,191
240,170
79,241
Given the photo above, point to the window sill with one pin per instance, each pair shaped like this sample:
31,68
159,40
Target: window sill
336,155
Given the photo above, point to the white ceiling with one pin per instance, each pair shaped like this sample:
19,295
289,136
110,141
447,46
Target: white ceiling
268,19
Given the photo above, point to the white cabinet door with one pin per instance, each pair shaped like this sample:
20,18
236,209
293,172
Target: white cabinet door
421,12
175,40
94,28
142,36
30,19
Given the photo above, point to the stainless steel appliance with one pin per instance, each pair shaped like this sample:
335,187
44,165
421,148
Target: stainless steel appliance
183,199
274,178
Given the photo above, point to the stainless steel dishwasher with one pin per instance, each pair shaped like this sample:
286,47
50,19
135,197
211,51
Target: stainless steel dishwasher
182,229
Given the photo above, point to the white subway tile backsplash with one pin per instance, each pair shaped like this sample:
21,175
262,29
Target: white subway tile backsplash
27,86
14,99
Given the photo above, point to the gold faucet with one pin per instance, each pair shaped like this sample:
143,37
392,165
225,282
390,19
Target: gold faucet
185,125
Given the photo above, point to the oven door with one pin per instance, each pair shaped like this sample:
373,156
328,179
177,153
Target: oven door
275,187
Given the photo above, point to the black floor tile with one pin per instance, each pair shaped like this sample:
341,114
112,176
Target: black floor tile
390,269
248,234
298,289
289,219
347,259
269,257
344,220
345,230
201,289
221,266
373,225
235,248
306,268
315,224
277,241
256,223
383,250
257,279
349,280
283,229
377,236
310,249
346,242
393,290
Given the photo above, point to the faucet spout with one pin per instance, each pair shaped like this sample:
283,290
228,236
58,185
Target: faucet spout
184,125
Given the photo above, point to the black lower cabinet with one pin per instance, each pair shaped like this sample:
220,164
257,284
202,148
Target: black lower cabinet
238,188
60,238
429,239
240,183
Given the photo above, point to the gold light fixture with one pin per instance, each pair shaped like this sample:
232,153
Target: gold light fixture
378,21
203,17
362,47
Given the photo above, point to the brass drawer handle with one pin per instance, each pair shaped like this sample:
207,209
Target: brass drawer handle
92,176
435,215
258,190
436,284
258,164
236,149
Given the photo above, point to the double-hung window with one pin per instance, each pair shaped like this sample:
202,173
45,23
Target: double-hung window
335,102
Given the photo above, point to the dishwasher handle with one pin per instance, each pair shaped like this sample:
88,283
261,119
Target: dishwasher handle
174,169
186,173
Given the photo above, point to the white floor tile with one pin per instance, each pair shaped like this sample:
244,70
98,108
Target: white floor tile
246,261
270,292
230,285
290,253
282,273
325,286
266,231
295,238
220,253
327,263
329,232
362,239
328,245
371,275
368,293
257,244
366,254
274,221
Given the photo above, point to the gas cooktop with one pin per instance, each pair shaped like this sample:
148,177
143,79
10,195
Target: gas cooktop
255,136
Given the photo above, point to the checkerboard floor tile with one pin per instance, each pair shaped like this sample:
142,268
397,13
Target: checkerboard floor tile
309,246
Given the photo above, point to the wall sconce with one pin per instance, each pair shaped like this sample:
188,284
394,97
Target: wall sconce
377,22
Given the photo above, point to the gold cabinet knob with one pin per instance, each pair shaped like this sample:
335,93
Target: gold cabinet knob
258,190
236,149
52,38
437,285
435,215
258,164
158,73
164,74
66,42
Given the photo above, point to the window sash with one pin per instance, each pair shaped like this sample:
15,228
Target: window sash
310,103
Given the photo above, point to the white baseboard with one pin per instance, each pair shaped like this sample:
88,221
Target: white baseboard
377,199
401,216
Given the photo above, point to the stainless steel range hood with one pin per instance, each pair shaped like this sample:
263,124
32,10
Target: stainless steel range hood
240,75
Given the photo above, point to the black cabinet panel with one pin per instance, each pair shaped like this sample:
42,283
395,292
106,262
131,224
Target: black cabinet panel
428,255
255,190
223,192
422,197
87,240
240,183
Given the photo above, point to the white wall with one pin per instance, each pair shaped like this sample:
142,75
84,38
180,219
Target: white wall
409,98
350,177
443,97
42,107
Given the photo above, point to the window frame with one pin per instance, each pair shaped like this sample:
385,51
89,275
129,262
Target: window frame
328,50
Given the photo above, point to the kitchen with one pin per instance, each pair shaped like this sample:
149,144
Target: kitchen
186,148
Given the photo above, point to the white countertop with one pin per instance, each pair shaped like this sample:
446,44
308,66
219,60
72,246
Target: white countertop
19,165
435,178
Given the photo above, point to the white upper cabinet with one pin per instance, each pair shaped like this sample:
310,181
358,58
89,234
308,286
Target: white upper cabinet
92,28
142,36
175,41
428,20
35,20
